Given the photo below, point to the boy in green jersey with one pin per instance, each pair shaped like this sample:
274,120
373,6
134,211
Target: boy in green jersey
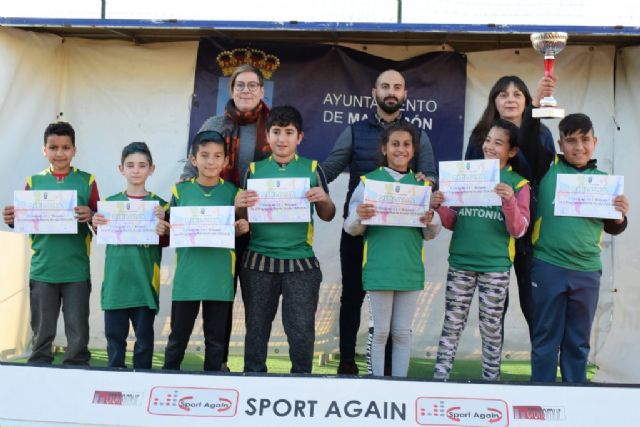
59,274
280,259
204,276
566,268
132,272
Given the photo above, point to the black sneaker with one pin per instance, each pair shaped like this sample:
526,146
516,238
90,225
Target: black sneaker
348,368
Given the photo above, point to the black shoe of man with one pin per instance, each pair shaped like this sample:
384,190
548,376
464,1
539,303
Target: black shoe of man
348,368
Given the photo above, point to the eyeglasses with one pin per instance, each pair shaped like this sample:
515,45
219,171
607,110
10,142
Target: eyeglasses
252,86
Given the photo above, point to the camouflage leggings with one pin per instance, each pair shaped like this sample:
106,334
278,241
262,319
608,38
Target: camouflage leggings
461,285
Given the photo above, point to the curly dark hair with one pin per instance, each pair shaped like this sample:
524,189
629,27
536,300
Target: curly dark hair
60,129
401,125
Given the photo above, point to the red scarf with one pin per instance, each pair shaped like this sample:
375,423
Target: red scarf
233,119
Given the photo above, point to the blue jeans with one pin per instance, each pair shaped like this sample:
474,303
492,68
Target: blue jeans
116,330
565,305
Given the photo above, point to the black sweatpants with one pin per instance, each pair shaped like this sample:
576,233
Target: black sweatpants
214,325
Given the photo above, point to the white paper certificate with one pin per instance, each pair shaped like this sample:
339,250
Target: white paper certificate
45,211
589,196
131,222
396,204
470,182
202,226
280,200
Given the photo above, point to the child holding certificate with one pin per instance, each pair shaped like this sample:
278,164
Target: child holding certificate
203,275
393,264
280,258
59,274
566,266
481,254
131,282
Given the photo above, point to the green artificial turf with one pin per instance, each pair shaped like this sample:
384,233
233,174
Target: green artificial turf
419,368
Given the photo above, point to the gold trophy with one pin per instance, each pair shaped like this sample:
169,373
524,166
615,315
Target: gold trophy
549,44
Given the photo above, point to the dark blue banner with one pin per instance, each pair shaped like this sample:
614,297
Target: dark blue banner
331,86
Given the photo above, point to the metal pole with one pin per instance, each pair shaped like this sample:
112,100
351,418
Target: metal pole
399,11
104,9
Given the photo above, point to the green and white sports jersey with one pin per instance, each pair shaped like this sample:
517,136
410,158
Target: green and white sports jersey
393,257
568,242
480,240
132,272
204,273
62,258
284,240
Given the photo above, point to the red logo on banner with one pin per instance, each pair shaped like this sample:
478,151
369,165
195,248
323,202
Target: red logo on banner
117,398
468,412
540,413
193,402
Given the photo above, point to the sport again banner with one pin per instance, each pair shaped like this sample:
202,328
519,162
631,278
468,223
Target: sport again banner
331,86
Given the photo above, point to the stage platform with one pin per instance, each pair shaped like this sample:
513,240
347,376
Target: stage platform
60,396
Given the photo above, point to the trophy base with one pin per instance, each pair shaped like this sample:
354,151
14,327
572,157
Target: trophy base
547,113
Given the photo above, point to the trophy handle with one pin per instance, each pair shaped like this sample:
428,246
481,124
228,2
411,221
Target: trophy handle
549,62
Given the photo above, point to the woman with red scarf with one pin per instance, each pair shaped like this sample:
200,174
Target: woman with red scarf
242,127
242,124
